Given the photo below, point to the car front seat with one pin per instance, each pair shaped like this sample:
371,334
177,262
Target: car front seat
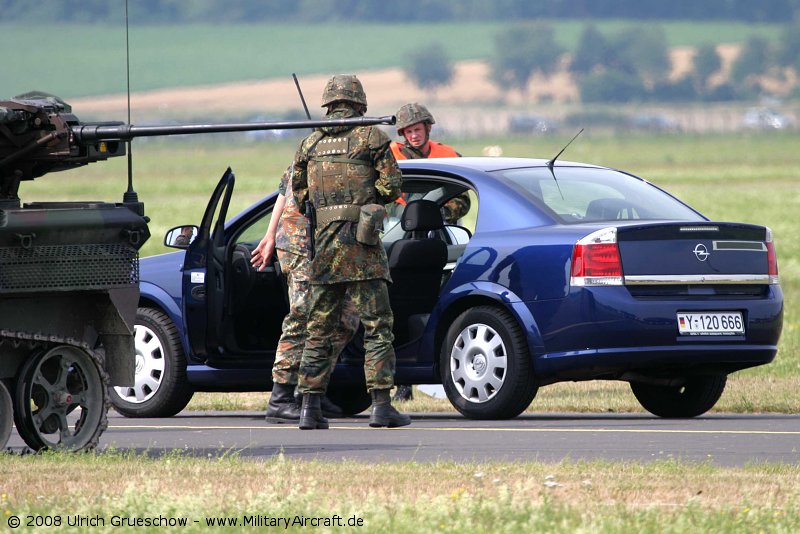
416,264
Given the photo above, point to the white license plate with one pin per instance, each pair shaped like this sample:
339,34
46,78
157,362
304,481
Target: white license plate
710,324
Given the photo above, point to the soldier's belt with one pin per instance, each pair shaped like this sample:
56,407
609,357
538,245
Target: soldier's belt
340,212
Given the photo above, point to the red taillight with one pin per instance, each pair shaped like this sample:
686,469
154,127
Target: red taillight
772,259
596,260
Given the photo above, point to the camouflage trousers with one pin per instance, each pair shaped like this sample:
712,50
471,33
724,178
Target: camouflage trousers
293,336
371,299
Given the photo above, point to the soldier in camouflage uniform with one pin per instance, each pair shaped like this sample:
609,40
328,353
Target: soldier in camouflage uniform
414,123
287,234
347,173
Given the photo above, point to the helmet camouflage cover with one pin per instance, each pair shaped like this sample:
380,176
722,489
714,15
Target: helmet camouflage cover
412,114
344,87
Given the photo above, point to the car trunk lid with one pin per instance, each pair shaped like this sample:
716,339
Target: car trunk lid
704,253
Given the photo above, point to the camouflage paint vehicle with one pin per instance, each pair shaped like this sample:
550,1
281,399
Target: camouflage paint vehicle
69,273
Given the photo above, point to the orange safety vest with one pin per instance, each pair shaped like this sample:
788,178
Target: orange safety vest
438,150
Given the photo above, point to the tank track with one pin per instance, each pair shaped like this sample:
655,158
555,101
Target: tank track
38,340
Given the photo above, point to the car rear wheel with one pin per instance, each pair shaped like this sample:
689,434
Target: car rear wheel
161,388
698,395
486,367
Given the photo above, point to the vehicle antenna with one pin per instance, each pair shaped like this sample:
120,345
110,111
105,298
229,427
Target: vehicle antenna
300,92
552,162
130,197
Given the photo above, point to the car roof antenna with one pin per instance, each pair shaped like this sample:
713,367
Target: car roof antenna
552,162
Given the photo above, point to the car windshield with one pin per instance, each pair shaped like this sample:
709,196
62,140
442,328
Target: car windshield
580,194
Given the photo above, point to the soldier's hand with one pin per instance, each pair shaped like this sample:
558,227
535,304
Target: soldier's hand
262,253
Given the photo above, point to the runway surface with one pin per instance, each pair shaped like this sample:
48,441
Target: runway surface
722,439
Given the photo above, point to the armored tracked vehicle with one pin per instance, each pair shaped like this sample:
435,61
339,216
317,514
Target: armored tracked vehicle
69,272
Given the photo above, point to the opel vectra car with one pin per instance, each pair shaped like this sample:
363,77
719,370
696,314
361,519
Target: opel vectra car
561,272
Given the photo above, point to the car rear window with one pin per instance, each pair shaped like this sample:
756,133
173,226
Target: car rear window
580,194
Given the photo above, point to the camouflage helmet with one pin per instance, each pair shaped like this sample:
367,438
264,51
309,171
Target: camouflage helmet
412,114
344,87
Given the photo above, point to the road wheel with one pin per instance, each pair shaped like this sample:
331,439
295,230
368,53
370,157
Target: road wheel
696,397
486,367
60,399
6,415
160,386
352,400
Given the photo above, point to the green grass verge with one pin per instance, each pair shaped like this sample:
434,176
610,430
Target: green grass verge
663,496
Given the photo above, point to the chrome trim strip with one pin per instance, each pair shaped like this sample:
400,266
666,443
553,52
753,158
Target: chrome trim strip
664,279
743,246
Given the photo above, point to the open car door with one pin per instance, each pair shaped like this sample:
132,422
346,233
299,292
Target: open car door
204,274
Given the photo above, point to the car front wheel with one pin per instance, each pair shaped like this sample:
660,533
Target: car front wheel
160,388
486,367
698,395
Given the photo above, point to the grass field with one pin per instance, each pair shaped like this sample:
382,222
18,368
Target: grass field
187,55
568,497
748,178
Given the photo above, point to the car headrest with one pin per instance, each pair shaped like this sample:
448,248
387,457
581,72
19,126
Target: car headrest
422,215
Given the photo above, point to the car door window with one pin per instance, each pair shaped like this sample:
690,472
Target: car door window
254,231
428,189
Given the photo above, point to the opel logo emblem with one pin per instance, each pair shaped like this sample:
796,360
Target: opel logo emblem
701,252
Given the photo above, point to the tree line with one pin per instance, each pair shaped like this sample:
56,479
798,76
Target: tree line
630,65
250,11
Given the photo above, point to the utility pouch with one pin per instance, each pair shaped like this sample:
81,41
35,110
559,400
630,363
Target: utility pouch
370,224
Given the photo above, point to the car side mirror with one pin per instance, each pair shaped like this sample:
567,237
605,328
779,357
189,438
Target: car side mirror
180,236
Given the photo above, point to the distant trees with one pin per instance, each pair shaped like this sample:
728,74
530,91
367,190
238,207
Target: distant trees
788,54
521,51
251,11
622,67
429,67
754,60
593,51
633,65
706,63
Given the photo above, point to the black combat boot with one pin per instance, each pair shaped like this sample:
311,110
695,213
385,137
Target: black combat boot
383,413
283,407
311,413
329,408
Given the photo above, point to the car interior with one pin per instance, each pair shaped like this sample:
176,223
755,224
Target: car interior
421,248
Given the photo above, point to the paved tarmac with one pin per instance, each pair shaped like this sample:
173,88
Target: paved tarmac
722,439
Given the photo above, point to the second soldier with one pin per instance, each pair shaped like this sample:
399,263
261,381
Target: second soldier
348,173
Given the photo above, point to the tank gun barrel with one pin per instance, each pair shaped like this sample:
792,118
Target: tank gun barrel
39,135
89,133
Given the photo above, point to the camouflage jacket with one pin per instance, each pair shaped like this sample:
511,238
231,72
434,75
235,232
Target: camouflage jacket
338,256
292,232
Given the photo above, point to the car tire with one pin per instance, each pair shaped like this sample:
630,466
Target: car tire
694,398
487,371
161,388
352,400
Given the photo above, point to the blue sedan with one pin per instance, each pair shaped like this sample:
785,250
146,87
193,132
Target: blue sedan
560,272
